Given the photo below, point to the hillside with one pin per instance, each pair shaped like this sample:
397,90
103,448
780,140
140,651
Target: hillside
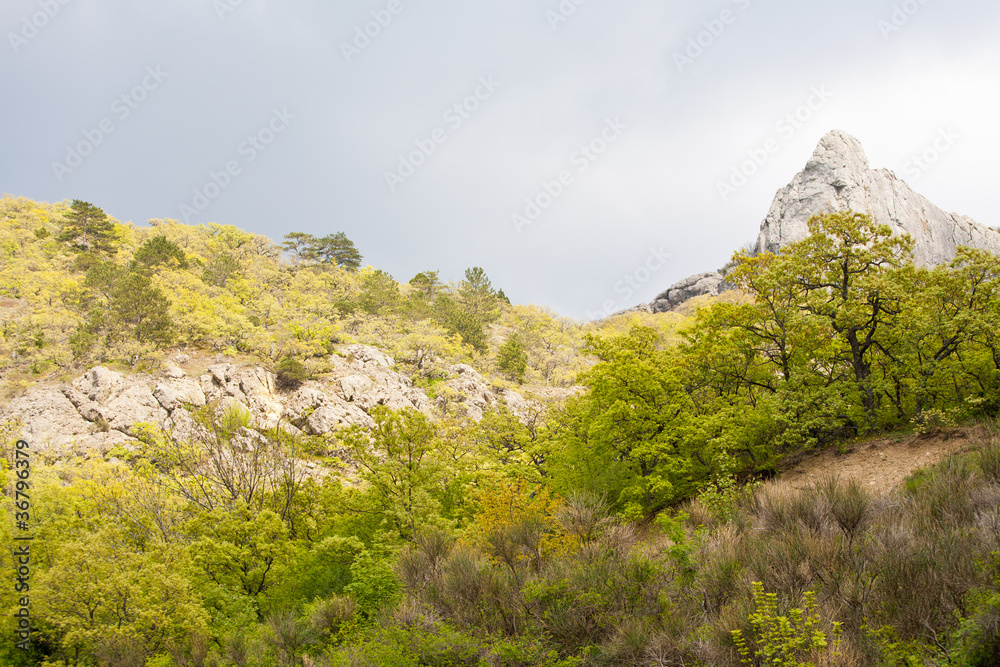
218,289
243,454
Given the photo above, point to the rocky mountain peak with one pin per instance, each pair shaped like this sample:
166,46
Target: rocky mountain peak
841,153
838,177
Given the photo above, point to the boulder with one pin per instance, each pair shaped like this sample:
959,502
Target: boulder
336,415
183,427
473,393
306,399
99,384
390,397
173,371
134,405
370,357
174,393
353,386
87,408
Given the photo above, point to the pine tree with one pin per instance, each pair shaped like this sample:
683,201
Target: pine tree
335,249
427,282
512,358
299,245
158,251
88,228
477,296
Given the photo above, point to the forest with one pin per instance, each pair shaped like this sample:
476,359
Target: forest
636,518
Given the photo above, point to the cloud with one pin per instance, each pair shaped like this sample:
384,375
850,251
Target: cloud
656,186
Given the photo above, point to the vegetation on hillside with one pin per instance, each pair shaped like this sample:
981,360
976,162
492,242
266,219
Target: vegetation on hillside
622,527
79,288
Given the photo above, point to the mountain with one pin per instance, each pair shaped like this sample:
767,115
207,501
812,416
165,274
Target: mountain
838,178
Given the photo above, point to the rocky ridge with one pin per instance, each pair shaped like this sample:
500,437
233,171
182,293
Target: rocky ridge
836,178
839,178
100,409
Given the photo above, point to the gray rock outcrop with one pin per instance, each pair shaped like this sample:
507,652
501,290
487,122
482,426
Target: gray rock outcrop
712,284
101,408
470,395
839,178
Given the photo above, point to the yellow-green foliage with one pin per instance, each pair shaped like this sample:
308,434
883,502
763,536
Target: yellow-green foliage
233,292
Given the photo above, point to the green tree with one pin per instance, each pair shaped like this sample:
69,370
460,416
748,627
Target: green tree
158,251
88,229
634,437
842,269
826,318
298,245
512,358
469,309
335,249
398,463
128,309
222,268
457,320
379,293
99,594
427,282
477,296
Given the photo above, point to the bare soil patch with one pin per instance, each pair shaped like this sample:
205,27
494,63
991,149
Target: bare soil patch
881,463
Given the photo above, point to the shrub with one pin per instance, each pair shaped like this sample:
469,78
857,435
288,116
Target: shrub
794,640
988,460
291,373
850,506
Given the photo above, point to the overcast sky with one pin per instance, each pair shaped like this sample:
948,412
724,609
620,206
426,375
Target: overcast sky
319,116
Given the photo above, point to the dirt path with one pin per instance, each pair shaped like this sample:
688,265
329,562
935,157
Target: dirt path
882,463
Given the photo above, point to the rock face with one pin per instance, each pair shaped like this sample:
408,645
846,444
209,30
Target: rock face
703,283
838,178
100,409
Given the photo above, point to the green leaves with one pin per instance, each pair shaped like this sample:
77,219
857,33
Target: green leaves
512,358
88,229
159,252
783,641
127,315
334,249
398,462
633,433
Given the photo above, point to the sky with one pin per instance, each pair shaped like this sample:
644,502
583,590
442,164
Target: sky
586,153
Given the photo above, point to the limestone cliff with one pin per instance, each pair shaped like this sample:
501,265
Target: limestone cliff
100,409
838,178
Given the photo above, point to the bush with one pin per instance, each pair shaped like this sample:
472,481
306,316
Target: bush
291,373
988,459
783,641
